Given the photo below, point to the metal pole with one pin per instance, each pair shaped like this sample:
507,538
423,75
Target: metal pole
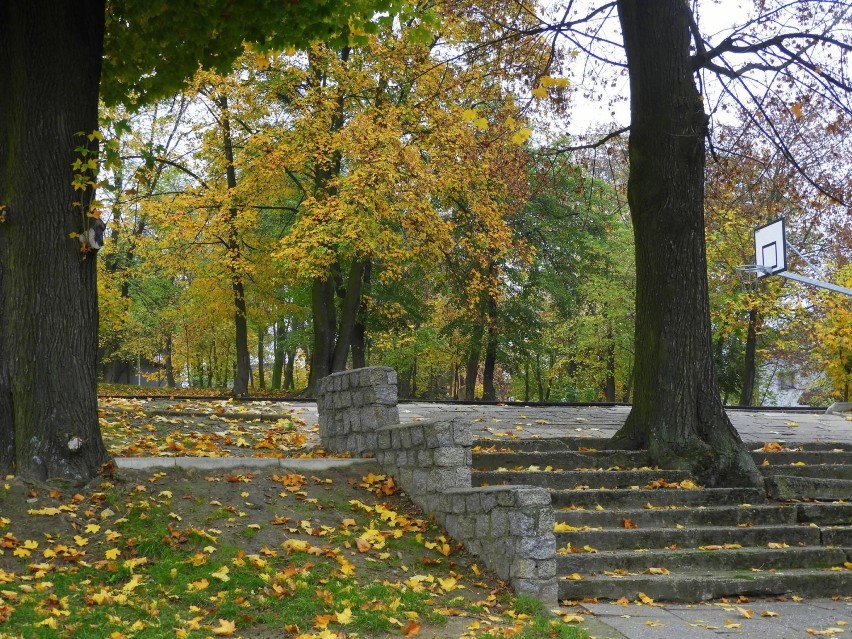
813,282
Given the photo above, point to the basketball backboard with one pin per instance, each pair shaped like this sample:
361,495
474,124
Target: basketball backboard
770,247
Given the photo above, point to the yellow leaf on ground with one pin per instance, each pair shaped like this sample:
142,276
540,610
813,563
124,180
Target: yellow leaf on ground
768,613
225,628
745,612
729,623
344,617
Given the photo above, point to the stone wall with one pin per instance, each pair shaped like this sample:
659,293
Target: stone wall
509,527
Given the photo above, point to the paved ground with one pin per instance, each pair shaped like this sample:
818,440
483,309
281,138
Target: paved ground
770,619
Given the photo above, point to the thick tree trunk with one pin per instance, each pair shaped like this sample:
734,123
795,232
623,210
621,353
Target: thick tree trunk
51,53
325,325
348,314
289,382
472,366
676,411
750,365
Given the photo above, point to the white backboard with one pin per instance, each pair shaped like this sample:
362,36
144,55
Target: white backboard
770,247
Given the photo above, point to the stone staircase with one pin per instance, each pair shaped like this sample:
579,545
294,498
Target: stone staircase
624,528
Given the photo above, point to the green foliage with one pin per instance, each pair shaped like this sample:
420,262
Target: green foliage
153,49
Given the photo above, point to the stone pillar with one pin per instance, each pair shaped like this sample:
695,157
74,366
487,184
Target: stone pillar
353,405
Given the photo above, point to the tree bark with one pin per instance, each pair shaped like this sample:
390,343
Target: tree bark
51,54
472,366
279,350
677,412
750,365
348,314
169,365
242,373
325,323
261,382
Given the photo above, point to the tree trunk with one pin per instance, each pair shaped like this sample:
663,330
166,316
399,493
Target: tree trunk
472,367
348,314
261,382
609,383
51,53
279,349
676,411
169,365
325,324
750,365
289,382
241,375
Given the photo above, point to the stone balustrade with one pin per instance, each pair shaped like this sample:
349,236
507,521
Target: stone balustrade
510,528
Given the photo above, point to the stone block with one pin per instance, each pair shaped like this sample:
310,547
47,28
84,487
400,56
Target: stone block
523,568
546,568
405,437
462,433
451,523
521,523
483,526
506,497
467,526
384,438
420,480
369,442
537,547
499,522
423,457
488,501
438,434
531,496
449,457
545,521
345,381
545,590
471,502
417,437
459,503
382,394
386,415
443,478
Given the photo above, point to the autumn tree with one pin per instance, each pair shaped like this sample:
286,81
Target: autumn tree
676,73
53,54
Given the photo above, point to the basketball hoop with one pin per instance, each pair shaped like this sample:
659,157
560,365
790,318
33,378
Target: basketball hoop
750,275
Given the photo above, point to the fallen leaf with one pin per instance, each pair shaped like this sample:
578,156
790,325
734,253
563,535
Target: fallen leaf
225,628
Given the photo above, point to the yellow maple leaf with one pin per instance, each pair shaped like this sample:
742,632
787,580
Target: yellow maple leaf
112,553
221,574
768,613
469,115
225,628
539,93
448,584
92,528
344,617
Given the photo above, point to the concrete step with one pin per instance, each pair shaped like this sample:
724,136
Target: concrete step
548,445
624,538
804,446
576,479
762,515
636,499
829,471
686,559
810,457
786,487
563,460
826,514
837,536
701,586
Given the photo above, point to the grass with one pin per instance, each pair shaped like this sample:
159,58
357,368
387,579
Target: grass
172,555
